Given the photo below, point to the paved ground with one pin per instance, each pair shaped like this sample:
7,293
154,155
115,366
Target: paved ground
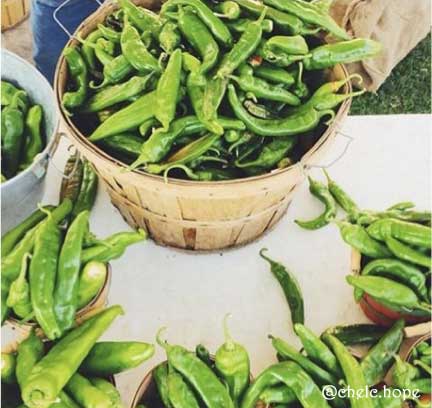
19,40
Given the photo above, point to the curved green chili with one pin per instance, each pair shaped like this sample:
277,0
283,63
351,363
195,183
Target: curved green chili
320,191
232,363
29,352
34,140
290,288
78,72
19,292
179,393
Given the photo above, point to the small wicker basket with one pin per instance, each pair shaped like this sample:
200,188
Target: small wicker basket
196,215
13,12
95,306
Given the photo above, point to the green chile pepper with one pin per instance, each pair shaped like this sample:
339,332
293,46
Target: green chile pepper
19,292
400,271
12,128
290,44
240,25
42,276
109,33
56,368
290,288
285,21
71,183
91,281
141,17
407,232
34,140
214,24
186,154
199,375
86,394
136,52
354,334
352,370
167,91
271,154
287,352
275,75
407,253
127,145
109,358
278,394
200,38
358,238
386,290
112,247
160,375
317,350
8,364
169,37
179,393
228,9
379,358
242,49
233,364
204,355
320,191
343,52
13,236
127,118
8,91
109,389
88,190
292,375
342,198
299,122
78,71
29,352
67,280
114,94
88,51
262,89
303,10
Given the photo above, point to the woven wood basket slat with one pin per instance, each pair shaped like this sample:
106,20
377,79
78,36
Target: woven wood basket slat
196,215
13,12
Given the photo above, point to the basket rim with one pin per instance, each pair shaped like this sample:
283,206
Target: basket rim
78,137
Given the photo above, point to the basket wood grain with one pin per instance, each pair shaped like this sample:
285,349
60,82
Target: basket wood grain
13,12
94,307
189,214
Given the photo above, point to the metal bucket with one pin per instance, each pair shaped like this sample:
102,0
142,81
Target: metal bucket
21,194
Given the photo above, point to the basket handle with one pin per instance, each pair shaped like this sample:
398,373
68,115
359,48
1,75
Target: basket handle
349,140
61,172
58,21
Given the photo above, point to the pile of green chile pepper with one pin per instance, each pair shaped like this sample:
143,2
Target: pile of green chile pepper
209,91
52,265
73,372
198,379
415,373
22,130
395,244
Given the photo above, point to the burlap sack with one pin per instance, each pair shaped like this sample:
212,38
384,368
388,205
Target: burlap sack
399,25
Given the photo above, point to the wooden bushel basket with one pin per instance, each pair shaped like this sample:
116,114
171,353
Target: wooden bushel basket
13,12
94,307
189,214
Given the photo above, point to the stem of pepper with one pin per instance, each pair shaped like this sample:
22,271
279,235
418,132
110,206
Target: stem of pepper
229,343
163,343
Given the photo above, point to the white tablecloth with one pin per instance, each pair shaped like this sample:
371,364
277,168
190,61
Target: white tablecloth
387,162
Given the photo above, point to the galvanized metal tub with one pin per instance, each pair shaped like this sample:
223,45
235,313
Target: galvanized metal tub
21,194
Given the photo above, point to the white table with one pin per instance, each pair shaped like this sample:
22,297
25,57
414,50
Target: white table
388,162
